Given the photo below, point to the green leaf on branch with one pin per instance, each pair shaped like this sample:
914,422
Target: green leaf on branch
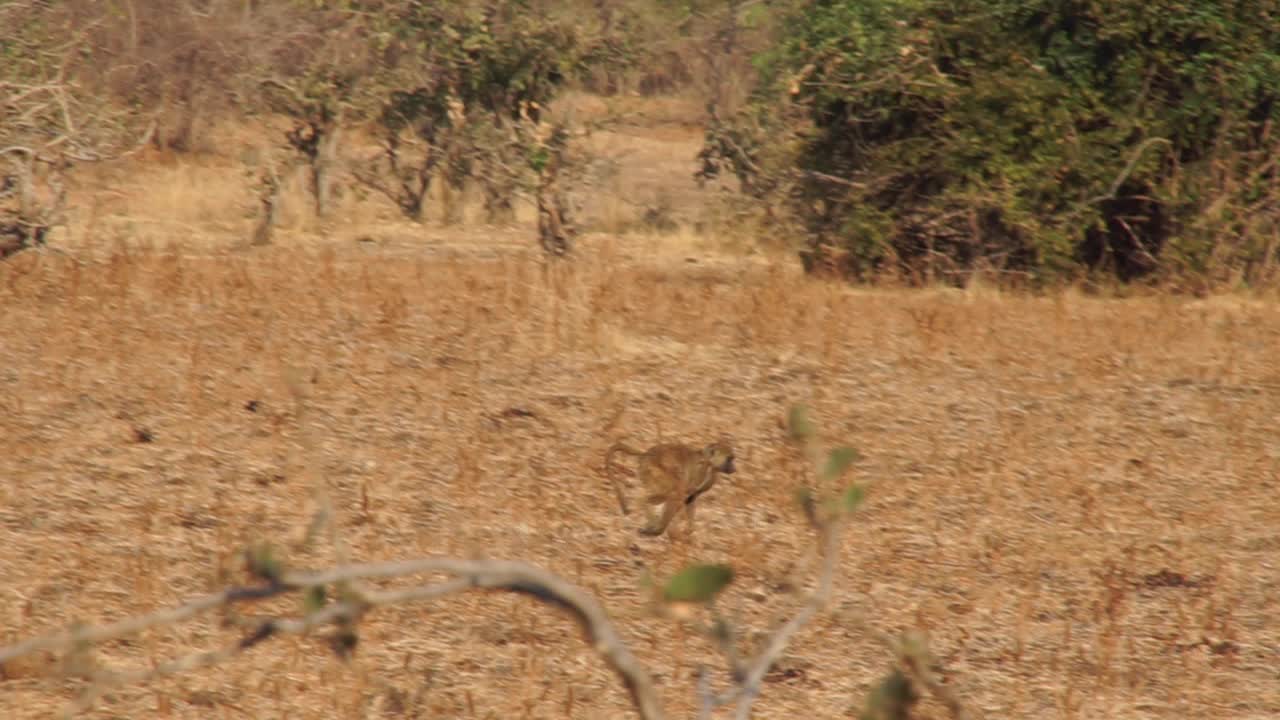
313,600
799,426
538,159
698,583
344,642
891,698
262,563
838,461
852,498
804,498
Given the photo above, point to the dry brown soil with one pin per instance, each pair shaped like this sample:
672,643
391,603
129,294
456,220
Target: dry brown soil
1078,499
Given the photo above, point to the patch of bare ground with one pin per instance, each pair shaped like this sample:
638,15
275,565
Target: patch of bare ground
1076,498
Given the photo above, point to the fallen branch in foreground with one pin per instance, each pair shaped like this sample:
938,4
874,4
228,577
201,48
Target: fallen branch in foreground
508,576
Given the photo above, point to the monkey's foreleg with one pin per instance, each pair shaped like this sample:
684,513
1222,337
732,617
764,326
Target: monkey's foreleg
688,516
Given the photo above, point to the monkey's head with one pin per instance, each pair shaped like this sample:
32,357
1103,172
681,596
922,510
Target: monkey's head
720,456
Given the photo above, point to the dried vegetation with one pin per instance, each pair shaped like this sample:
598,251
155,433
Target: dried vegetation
1075,497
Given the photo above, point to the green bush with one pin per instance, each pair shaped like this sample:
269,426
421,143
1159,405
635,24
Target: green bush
938,136
461,88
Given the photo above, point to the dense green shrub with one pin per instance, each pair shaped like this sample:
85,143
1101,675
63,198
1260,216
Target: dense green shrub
940,135
459,91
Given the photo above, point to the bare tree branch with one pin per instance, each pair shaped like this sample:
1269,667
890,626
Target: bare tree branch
509,576
1128,168
759,666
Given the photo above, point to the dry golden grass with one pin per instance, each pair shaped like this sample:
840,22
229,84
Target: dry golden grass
1076,498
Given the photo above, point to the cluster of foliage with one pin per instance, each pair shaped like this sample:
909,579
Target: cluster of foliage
50,119
666,46
461,87
465,86
1031,136
455,88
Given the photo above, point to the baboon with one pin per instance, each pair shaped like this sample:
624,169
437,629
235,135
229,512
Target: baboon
672,474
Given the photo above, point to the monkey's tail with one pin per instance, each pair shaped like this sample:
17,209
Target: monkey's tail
610,467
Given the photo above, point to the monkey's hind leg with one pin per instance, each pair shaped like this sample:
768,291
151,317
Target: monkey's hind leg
622,496
657,526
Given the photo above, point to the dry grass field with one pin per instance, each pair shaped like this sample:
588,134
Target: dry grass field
1078,498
